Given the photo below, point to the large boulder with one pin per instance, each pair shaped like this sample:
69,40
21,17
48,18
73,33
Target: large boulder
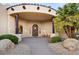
71,44
58,48
20,49
9,48
6,44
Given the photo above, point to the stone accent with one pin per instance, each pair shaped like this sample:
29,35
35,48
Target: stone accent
60,50
71,44
20,49
9,48
6,44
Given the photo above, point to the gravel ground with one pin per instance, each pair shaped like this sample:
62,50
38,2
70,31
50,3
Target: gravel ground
60,50
20,49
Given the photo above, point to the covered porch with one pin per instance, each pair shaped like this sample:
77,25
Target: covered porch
31,21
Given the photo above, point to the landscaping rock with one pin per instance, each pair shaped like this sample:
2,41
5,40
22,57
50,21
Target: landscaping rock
20,49
58,48
71,44
6,44
8,48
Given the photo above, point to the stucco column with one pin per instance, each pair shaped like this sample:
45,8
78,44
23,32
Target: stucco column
17,24
53,30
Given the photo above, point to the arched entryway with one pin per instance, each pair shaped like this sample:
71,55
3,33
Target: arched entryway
21,29
35,30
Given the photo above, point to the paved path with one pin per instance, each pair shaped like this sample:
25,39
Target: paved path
39,46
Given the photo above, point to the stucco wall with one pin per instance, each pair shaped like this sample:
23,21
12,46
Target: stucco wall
3,20
11,24
31,8
46,28
7,22
42,26
27,26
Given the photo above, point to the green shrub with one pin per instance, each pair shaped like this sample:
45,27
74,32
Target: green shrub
55,39
13,38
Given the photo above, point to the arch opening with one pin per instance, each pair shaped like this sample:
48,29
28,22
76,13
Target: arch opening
35,30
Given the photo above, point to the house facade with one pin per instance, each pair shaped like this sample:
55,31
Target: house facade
27,19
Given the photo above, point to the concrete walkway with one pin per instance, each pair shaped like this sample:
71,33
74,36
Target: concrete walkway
39,46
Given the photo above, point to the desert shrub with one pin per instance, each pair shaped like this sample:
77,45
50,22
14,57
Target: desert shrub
11,37
77,36
55,39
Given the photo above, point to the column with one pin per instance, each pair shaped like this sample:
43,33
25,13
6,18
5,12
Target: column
17,24
53,30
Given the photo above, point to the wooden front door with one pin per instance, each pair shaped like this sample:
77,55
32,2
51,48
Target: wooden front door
35,30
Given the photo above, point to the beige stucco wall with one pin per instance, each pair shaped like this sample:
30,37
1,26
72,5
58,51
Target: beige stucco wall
31,8
46,28
3,20
27,26
11,24
7,22
43,27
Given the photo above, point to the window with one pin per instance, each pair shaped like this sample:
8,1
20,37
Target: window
21,29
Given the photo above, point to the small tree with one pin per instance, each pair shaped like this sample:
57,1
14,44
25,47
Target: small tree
68,19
